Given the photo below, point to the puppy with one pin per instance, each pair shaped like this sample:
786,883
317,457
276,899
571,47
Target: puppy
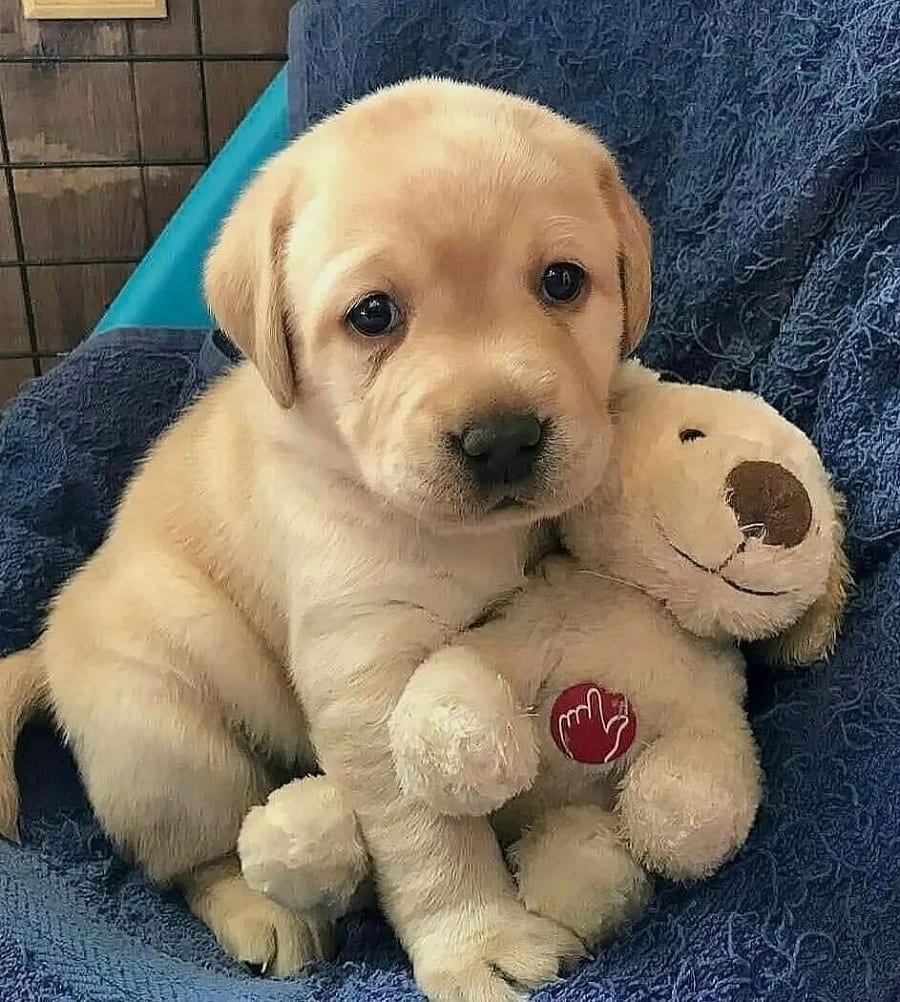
433,289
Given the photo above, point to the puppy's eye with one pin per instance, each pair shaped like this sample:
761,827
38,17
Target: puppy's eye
561,282
375,315
691,434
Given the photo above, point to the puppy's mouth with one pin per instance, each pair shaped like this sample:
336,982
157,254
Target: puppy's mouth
719,572
508,503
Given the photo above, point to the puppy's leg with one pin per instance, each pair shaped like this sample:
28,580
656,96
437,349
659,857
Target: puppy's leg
170,783
462,735
572,866
249,926
443,881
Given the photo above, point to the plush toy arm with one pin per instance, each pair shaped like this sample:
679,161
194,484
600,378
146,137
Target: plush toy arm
687,804
303,849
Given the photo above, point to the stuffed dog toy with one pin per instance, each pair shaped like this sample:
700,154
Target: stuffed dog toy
600,714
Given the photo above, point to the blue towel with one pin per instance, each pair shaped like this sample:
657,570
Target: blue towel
764,141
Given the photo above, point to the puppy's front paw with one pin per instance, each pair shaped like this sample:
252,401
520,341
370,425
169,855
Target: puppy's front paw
492,955
303,848
460,741
572,867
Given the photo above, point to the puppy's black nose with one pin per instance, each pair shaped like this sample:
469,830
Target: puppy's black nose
769,502
502,448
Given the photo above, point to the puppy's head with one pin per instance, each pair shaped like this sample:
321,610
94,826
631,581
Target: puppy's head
723,510
442,278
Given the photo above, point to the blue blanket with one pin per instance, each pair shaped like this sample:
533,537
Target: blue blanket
764,141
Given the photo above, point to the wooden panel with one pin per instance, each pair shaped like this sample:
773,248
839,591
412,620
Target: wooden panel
231,88
69,111
13,373
177,34
7,239
167,187
82,212
21,37
68,300
236,26
171,128
13,329
55,9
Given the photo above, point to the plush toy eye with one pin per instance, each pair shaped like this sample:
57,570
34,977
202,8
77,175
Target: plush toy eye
561,282
375,315
691,434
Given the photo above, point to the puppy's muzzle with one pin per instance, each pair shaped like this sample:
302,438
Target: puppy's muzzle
501,450
769,503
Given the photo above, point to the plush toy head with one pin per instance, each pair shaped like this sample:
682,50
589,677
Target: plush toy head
721,509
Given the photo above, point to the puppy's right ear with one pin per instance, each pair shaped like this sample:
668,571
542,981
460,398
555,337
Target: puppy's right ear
635,252
243,275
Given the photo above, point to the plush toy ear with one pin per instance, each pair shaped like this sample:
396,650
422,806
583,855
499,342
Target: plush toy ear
814,635
635,249
243,279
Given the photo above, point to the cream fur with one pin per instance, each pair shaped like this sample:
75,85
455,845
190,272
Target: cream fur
626,611
305,531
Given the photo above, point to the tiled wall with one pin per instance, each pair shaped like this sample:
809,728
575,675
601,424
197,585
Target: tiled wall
104,127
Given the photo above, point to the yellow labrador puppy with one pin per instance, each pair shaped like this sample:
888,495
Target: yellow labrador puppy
434,287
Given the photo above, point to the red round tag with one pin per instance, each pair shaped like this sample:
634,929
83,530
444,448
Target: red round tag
590,724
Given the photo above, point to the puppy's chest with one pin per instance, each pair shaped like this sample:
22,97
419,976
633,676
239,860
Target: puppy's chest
449,582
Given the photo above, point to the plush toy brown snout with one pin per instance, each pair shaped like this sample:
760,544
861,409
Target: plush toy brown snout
769,503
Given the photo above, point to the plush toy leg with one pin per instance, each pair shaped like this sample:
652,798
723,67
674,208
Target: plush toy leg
689,801
303,848
573,867
460,741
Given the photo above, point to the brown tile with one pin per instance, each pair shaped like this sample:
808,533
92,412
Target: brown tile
68,111
236,27
13,373
7,239
13,326
69,299
231,89
170,110
81,212
19,36
167,187
174,35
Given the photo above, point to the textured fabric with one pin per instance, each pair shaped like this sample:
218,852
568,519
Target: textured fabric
763,140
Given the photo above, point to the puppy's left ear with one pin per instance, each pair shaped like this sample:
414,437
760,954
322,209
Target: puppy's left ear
243,277
635,252
814,635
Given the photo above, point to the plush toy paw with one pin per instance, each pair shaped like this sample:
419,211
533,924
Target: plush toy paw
460,741
303,848
687,805
572,867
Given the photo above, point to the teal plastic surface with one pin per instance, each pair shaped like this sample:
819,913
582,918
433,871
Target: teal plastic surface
165,288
